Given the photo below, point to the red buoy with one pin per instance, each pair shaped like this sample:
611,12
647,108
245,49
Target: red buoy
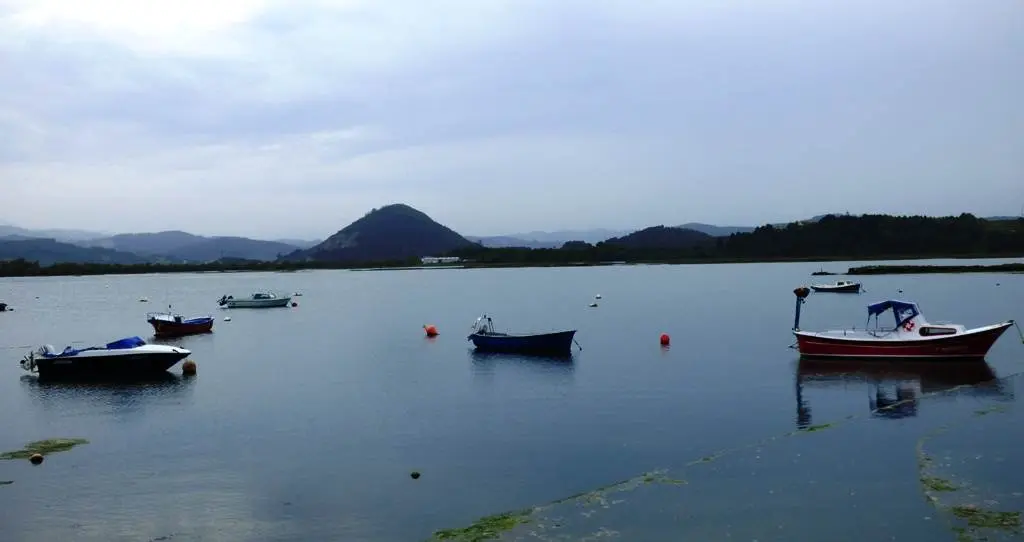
664,339
430,330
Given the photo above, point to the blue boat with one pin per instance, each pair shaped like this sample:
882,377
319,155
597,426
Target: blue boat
485,339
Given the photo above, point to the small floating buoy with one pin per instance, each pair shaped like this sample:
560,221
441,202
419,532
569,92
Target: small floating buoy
593,305
430,330
297,294
143,300
188,368
294,304
415,475
36,458
227,318
664,339
598,296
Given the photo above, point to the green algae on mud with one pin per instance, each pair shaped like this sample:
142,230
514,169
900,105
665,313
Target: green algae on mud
990,519
485,528
44,447
935,483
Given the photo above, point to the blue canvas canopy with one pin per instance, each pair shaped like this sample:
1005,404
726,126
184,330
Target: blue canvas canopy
127,342
901,310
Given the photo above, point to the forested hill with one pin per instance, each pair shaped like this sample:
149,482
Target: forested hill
832,237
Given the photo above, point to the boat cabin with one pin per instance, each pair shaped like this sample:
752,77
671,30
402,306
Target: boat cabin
908,319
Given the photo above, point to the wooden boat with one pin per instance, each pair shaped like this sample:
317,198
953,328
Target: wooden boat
167,324
840,286
485,338
257,300
912,337
128,357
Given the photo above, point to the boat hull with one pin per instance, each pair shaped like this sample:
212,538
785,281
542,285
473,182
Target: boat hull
170,328
257,303
845,289
557,343
973,344
113,366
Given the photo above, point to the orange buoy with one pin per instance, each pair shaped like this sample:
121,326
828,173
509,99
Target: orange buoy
664,339
188,368
36,459
430,330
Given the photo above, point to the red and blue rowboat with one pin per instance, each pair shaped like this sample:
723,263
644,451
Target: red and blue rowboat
174,325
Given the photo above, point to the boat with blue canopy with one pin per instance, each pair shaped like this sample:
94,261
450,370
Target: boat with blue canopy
130,356
910,336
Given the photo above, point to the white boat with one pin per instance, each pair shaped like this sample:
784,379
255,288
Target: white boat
840,286
257,300
130,356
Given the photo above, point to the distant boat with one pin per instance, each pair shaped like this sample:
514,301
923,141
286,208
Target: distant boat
912,337
484,338
840,286
130,356
258,300
167,324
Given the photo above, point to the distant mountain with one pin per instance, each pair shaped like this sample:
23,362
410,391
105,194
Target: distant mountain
393,232
64,236
164,242
299,243
51,251
504,241
554,238
715,231
661,237
183,246
217,248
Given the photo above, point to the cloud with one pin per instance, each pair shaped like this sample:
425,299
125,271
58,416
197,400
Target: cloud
503,115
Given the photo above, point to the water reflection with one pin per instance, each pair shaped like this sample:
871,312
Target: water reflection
118,396
487,363
895,388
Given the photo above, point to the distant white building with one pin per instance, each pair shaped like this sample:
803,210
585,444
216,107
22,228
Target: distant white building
427,260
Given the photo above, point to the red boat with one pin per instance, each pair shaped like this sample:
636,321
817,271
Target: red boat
174,325
913,337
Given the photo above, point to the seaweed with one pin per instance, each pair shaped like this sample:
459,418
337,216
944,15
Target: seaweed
485,528
44,447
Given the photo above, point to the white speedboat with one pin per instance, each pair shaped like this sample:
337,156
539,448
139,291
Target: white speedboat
130,356
258,300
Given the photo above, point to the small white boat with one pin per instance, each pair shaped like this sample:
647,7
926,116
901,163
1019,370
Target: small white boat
258,300
840,286
130,356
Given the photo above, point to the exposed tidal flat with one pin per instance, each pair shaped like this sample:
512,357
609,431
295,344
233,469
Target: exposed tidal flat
305,423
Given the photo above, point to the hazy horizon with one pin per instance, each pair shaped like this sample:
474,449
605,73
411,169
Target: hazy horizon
272,119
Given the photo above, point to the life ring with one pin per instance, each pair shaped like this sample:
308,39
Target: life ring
909,326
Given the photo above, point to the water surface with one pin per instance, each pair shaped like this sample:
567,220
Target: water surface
304,423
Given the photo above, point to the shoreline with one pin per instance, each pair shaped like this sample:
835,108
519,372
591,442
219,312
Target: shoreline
73,270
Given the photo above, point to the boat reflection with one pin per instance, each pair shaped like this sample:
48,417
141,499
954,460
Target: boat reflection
489,362
896,387
119,396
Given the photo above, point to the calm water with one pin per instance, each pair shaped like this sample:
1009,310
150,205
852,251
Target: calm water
304,423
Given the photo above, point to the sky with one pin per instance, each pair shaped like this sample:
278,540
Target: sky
292,118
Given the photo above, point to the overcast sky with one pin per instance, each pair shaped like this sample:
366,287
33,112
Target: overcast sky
285,118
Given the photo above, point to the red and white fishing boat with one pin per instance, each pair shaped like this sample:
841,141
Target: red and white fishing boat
912,337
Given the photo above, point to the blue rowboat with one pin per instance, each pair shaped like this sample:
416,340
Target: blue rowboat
484,338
